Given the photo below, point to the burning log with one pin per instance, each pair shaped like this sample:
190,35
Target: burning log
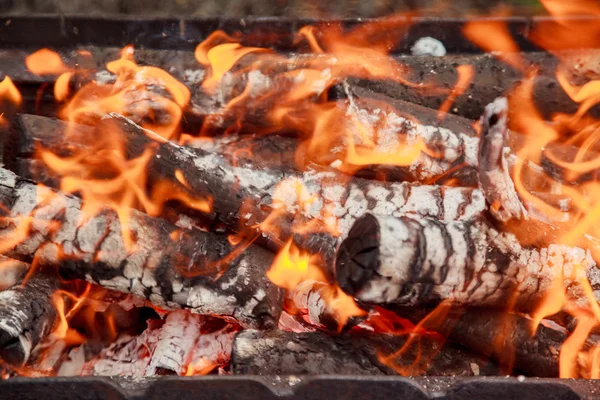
494,177
26,317
181,345
169,266
454,143
492,78
509,339
288,353
250,194
413,261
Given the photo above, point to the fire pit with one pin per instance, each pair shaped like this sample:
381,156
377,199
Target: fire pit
299,208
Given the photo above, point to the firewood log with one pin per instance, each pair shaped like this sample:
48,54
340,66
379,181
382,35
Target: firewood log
453,141
26,316
244,193
508,338
492,77
417,261
170,266
494,177
315,353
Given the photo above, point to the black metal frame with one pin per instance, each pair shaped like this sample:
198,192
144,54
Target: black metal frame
33,31
296,388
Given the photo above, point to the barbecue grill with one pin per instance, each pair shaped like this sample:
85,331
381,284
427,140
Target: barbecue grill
161,41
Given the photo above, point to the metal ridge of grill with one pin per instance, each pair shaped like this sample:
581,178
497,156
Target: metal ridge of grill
295,387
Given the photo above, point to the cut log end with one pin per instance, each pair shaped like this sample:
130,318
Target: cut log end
357,259
26,317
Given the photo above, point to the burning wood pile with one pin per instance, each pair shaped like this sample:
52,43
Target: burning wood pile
338,210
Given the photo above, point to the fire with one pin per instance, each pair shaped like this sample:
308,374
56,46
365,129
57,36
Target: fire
344,135
10,98
46,62
221,58
201,366
292,267
326,125
465,76
493,36
9,92
135,94
105,177
569,142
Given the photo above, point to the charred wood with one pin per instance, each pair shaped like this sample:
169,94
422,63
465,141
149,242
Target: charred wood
412,261
289,353
248,194
510,339
27,315
494,178
452,144
492,78
183,343
170,266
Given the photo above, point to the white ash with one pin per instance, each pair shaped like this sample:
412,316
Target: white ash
105,78
494,175
258,83
193,76
344,204
428,46
174,346
319,86
11,272
176,341
289,323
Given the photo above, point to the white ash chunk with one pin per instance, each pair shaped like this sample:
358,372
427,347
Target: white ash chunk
179,345
428,46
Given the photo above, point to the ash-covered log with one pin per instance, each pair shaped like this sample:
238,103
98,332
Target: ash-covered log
492,77
494,177
418,261
27,315
172,267
249,194
452,143
315,353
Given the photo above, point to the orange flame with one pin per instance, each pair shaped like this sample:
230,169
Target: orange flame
493,36
10,97
291,267
106,178
574,25
569,142
46,62
134,94
465,76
